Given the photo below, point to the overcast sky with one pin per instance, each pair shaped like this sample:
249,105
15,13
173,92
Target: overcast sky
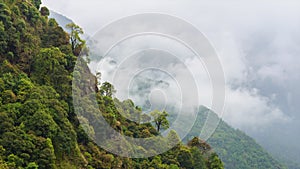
257,43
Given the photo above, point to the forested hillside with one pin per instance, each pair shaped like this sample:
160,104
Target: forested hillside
235,148
38,126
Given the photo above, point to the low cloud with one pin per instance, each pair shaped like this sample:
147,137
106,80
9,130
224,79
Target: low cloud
245,107
248,110
258,45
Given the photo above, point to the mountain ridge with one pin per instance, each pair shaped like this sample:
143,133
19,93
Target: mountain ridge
236,149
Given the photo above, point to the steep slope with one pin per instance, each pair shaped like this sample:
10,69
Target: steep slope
226,139
38,124
235,148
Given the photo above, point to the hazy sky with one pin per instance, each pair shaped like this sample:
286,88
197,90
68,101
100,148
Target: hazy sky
258,45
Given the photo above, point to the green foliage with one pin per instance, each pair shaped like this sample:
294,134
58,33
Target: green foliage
199,160
32,165
3,165
235,148
78,45
173,166
45,11
107,89
214,162
14,161
200,144
37,3
39,128
185,159
160,119
46,127
49,66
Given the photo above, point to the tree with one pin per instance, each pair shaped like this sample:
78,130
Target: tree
214,162
198,159
32,165
200,144
37,3
54,36
45,11
48,65
77,43
173,166
14,161
107,89
3,164
160,119
49,69
7,123
185,159
46,126
24,87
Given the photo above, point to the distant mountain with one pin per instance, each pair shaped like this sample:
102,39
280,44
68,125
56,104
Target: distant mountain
290,164
235,148
60,19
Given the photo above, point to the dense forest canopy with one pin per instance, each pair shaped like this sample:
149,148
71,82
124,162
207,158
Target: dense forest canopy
235,148
38,126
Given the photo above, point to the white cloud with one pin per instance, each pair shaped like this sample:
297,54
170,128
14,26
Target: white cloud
245,107
257,41
247,110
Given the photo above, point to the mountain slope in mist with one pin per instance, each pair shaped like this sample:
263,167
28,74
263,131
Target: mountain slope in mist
235,148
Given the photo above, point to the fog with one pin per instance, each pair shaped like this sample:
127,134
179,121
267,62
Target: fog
257,43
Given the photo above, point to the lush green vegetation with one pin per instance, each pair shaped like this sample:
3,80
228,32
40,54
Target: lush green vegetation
232,137
38,126
235,148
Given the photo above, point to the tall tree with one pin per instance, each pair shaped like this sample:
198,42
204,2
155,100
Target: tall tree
107,89
77,44
160,119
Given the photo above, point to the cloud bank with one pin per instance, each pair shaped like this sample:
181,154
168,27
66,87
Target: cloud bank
258,45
